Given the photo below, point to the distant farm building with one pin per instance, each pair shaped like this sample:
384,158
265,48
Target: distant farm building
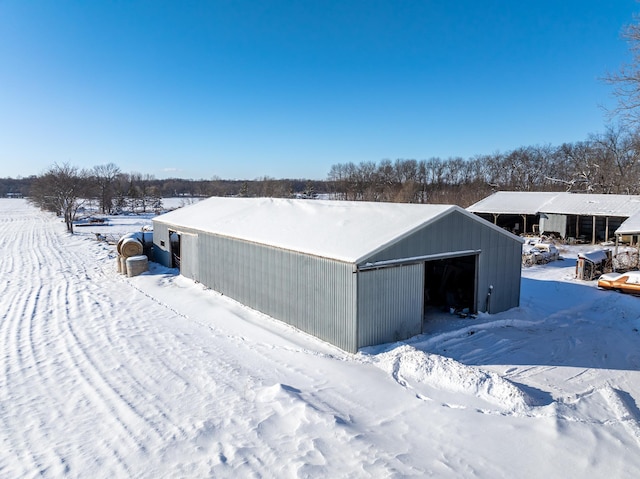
572,216
629,233
629,229
354,274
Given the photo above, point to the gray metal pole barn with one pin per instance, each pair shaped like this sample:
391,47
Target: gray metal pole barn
353,274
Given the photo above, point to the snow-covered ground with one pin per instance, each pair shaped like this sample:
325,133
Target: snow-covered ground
155,376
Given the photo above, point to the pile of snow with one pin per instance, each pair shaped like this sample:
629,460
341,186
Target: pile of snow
415,369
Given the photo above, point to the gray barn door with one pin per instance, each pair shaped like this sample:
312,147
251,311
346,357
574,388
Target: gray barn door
390,304
189,256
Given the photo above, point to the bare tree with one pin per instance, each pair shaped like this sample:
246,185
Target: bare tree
337,179
387,180
267,186
626,81
61,189
617,160
105,177
142,192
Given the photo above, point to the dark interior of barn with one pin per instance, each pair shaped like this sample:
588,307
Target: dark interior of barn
450,284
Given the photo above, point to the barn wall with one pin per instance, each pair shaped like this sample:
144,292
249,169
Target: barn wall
500,266
189,253
327,299
499,261
554,223
161,253
188,247
566,226
390,304
314,294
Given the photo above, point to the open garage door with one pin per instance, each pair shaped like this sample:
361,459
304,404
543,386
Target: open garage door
451,285
184,253
174,242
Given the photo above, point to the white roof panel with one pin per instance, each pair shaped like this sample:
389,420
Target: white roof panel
531,203
513,202
593,205
630,226
343,230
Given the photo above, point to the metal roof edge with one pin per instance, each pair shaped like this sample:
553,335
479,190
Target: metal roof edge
450,209
552,195
335,258
407,233
490,225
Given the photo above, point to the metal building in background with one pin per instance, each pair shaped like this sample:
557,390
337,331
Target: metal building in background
585,218
354,274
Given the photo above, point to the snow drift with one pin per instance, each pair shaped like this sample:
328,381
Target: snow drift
415,369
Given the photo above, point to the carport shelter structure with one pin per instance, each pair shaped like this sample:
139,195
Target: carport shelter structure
516,211
354,274
583,217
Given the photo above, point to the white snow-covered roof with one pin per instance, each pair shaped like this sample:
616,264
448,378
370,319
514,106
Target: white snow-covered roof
630,226
513,202
344,230
524,202
594,256
592,205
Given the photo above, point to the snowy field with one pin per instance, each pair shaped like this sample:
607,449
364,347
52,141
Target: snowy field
104,376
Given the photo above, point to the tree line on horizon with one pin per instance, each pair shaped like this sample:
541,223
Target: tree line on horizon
66,190
606,163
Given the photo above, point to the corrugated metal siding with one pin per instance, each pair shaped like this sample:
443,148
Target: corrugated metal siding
554,223
566,225
314,294
499,263
454,232
189,264
161,254
390,304
188,248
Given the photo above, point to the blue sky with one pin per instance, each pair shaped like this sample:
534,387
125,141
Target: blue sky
246,89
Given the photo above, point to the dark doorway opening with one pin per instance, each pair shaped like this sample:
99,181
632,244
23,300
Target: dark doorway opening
450,285
516,224
174,241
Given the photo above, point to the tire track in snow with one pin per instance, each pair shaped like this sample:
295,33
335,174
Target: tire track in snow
21,363
118,391
43,362
104,395
166,361
93,336
156,412
55,335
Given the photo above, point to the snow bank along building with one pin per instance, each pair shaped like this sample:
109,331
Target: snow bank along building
354,274
583,217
